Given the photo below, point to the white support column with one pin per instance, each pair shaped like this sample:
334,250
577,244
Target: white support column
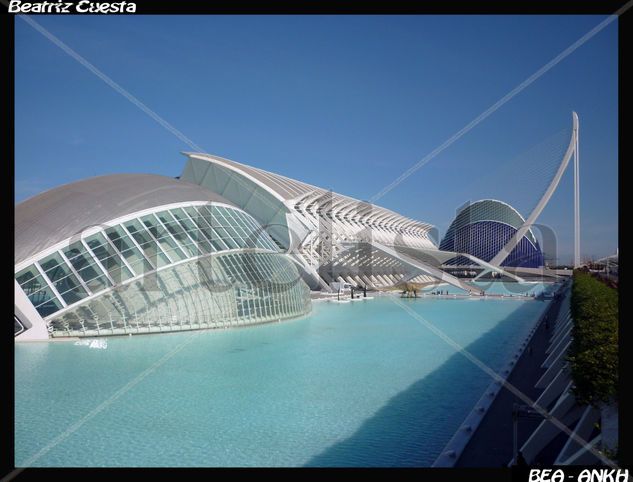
555,366
555,389
567,411
583,431
531,219
576,197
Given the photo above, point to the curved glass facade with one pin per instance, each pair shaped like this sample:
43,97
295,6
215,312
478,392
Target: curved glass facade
170,253
483,228
227,289
485,239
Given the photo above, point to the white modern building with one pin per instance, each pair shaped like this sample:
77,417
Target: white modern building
225,244
130,253
483,228
331,237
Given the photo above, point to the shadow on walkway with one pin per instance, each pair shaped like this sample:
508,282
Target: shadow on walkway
492,444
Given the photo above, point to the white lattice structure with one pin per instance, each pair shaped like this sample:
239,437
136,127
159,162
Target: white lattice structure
331,236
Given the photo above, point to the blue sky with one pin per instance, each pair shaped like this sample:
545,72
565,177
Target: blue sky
342,102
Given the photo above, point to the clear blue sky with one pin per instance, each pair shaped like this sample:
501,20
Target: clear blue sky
342,102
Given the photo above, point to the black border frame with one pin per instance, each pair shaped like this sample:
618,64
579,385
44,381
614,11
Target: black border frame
180,7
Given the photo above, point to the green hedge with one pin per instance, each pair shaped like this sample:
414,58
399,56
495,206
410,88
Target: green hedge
594,351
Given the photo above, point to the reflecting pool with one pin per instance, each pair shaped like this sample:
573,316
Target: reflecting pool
360,384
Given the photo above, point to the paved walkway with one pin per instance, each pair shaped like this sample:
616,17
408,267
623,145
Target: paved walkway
491,445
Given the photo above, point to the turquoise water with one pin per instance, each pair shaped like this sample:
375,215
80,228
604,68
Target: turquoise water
499,288
361,384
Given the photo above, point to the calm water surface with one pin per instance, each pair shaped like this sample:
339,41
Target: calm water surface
361,384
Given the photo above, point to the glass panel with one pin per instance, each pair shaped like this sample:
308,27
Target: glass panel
248,239
164,239
38,291
74,294
176,230
85,265
65,282
263,239
241,225
150,247
224,236
204,229
110,260
48,303
30,280
192,230
215,216
204,219
128,250
54,267
205,211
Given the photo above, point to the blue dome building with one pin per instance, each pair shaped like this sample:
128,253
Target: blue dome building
483,228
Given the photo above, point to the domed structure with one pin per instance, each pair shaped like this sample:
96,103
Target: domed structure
483,228
138,253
